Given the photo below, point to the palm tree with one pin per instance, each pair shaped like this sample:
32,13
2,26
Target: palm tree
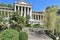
17,21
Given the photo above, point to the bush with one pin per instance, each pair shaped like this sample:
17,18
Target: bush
23,36
1,35
36,25
9,34
28,25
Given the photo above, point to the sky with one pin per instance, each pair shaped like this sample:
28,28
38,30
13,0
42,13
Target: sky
37,5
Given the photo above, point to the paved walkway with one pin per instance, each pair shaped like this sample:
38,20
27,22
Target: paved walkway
33,36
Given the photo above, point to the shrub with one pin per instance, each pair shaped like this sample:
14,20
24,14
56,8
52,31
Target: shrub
23,36
28,25
0,35
36,25
9,34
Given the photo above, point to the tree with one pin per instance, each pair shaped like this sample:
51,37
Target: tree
9,5
3,4
27,20
58,24
6,5
58,12
17,21
2,21
50,18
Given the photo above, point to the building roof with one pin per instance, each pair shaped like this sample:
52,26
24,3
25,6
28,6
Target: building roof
23,3
36,12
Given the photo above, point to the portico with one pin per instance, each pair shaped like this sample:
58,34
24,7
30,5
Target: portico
24,8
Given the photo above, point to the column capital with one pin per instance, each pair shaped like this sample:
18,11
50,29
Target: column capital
15,8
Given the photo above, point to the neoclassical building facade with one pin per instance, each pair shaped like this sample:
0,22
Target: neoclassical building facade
25,9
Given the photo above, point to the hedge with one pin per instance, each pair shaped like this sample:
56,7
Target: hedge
23,36
9,34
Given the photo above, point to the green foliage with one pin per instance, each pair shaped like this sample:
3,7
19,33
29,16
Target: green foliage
58,11
58,25
9,34
58,28
17,21
36,25
27,20
6,5
50,18
28,25
9,5
23,36
3,5
27,17
47,8
2,21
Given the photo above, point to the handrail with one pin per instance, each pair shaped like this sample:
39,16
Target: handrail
50,35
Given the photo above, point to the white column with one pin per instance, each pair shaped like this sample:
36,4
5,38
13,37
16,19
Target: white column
27,10
31,13
38,17
8,25
35,17
24,11
8,14
21,10
15,8
18,8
